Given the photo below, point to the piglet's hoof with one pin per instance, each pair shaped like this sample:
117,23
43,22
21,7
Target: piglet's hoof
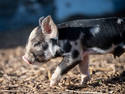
53,83
85,80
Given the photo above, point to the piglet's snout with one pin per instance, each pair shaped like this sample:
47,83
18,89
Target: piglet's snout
26,60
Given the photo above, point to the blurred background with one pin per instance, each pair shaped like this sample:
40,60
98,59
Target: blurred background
22,13
21,16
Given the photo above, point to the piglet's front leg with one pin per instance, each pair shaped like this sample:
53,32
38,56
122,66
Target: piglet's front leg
66,64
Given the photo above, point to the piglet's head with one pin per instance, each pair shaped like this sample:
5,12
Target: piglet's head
43,42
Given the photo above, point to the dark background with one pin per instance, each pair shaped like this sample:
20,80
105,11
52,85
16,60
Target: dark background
16,14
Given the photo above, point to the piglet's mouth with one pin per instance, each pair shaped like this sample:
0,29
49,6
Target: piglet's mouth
26,60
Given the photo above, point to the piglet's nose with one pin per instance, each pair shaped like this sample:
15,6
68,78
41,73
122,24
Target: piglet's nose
26,60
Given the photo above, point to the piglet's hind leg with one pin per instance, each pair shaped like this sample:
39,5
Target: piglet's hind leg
83,65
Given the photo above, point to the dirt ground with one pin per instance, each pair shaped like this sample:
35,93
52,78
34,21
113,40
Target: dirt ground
18,77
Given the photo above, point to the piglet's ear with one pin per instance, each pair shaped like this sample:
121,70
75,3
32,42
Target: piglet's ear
40,20
48,27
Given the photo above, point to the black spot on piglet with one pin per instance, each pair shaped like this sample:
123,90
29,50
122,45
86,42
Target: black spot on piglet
75,54
67,47
118,51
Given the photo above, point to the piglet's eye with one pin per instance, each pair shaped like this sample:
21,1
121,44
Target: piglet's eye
36,44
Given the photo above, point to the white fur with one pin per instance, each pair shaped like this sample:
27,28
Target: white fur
95,30
119,21
32,35
56,76
98,50
53,49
